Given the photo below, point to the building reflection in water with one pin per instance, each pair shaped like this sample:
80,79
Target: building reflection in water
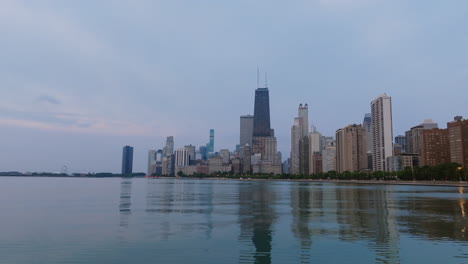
125,201
368,213
435,218
256,217
306,208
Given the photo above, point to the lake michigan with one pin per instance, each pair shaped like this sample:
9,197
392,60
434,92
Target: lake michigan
88,220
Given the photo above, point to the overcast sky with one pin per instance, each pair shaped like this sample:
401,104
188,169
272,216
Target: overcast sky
81,79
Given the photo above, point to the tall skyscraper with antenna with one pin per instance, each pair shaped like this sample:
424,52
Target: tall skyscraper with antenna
264,141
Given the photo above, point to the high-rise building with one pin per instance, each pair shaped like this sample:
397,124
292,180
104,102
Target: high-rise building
314,147
435,148
261,124
151,162
191,152
127,161
182,159
169,148
317,163
458,141
304,156
263,141
225,155
382,131
366,124
401,140
210,145
303,114
246,130
414,136
351,149
329,157
155,162
204,152
246,159
296,135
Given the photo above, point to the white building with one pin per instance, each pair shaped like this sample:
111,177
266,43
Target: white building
182,159
382,131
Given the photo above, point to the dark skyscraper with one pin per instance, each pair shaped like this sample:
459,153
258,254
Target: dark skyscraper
127,160
261,127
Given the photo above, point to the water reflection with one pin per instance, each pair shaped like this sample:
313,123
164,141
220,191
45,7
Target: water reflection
256,217
436,219
125,201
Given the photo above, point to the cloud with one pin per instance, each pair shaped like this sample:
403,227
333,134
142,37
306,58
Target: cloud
69,122
48,99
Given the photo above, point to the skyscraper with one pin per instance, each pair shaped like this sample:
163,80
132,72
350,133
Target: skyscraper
296,135
303,114
367,126
127,161
264,143
169,148
304,156
261,124
182,159
401,140
382,131
329,157
246,130
212,140
314,147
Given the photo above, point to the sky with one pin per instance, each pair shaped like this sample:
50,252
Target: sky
81,79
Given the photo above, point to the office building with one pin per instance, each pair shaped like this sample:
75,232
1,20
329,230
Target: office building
296,135
127,161
401,140
225,155
192,154
261,124
382,131
303,114
263,140
246,159
304,156
366,124
169,147
246,130
182,159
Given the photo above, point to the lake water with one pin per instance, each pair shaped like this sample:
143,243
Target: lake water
62,220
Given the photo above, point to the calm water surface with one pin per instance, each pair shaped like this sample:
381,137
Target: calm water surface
61,220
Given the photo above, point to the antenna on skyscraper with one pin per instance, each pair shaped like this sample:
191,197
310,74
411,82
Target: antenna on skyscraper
258,77
266,80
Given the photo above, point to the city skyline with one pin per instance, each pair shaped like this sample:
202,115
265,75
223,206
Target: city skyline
145,73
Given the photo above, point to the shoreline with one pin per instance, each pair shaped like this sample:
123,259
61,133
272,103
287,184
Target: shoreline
357,182
363,182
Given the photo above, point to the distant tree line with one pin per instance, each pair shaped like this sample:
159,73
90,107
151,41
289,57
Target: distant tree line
442,172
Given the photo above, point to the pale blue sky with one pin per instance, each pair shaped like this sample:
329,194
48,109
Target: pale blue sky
81,79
